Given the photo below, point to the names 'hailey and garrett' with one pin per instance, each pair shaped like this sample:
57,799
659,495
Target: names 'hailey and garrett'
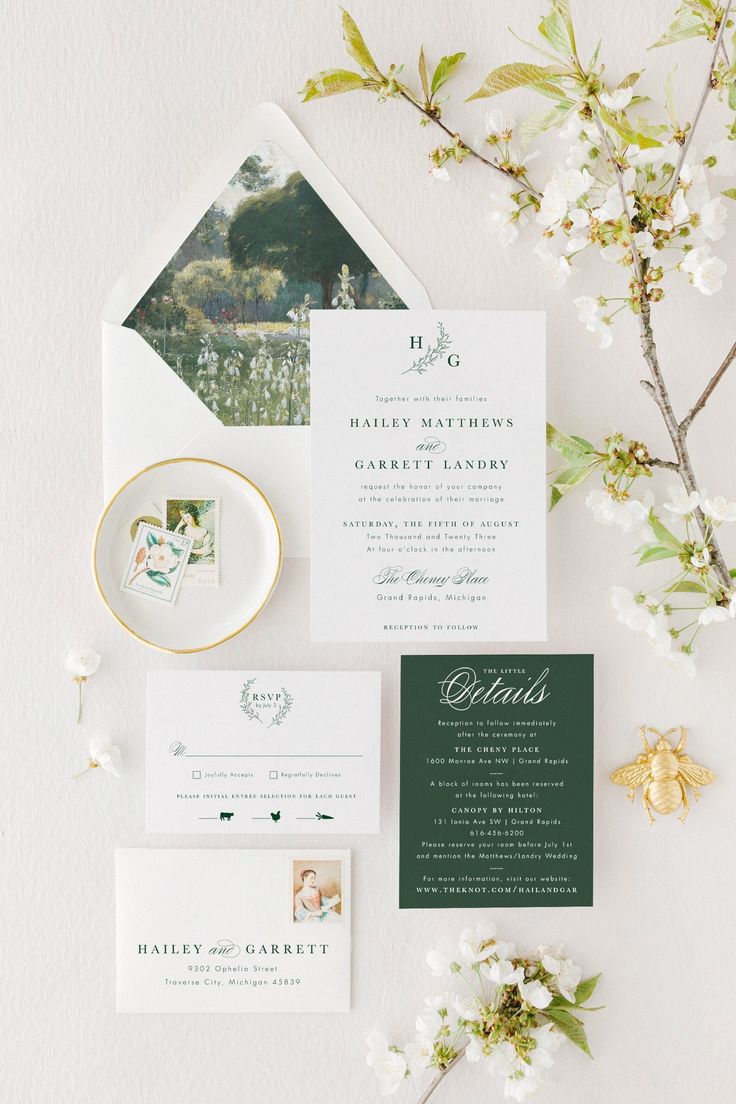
233,950
427,464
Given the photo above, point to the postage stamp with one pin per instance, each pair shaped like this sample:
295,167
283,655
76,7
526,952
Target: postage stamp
198,519
157,563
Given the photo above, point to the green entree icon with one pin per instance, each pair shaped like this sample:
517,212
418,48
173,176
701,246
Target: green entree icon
226,816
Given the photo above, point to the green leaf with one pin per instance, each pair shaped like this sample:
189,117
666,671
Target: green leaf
554,29
622,126
151,539
730,193
686,587
686,24
157,577
629,81
331,82
732,96
563,7
356,46
662,533
571,447
446,66
569,1025
519,74
586,989
669,98
656,552
539,121
423,74
554,498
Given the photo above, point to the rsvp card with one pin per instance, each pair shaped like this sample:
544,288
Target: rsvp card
428,475
496,781
233,931
263,751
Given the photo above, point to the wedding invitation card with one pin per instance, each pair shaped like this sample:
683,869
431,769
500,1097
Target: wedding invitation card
428,475
233,931
496,781
263,751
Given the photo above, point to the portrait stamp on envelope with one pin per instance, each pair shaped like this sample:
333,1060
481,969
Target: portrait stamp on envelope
197,519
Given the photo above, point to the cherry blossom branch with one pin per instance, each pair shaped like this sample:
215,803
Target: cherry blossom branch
657,389
704,95
713,383
437,1081
433,118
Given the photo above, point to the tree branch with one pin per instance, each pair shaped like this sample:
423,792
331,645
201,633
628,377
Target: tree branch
436,1082
713,383
704,95
471,152
672,465
684,466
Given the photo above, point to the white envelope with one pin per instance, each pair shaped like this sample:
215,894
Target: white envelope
149,414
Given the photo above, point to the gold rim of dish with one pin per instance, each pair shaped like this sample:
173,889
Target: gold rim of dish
108,507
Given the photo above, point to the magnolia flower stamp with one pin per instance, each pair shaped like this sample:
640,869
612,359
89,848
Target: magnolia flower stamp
156,566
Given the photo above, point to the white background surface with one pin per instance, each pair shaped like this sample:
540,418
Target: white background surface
109,111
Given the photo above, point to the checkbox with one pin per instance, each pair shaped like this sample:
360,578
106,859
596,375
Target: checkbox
273,774
196,774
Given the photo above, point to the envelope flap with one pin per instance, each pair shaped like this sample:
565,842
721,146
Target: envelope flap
267,122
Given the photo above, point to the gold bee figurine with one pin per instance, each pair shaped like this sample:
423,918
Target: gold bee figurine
663,771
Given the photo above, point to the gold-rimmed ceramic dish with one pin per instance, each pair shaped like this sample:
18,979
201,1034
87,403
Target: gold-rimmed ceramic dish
248,546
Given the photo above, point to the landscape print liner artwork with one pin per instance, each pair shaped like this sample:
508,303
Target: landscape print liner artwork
230,311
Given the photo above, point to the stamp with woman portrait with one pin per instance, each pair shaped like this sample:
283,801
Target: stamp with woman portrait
198,519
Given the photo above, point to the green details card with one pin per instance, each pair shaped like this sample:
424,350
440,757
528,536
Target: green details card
496,781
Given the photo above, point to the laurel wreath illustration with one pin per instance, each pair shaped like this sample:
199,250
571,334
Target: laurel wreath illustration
433,353
254,714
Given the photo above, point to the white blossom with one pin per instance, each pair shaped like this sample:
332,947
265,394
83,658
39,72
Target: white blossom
683,662
502,972
418,1055
499,125
104,755
644,242
719,509
82,662
723,154
682,502
566,973
713,217
390,1067
429,1023
534,993
589,313
711,615
631,515
505,217
617,100
704,271
632,610
558,268
440,962
471,947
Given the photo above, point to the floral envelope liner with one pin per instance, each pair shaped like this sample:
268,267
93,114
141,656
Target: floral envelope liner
175,545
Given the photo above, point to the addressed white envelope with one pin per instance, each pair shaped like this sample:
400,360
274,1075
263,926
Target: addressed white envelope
223,931
277,752
149,414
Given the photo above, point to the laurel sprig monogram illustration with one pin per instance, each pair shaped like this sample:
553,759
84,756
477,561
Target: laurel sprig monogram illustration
284,708
433,353
247,705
